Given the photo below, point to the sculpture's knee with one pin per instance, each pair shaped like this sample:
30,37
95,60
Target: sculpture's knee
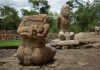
62,35
97,29
72,34
51,53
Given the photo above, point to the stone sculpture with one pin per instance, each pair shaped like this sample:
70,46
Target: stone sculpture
97,29
33,30
63,23
65,36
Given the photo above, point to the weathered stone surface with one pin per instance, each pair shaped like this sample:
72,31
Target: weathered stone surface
96,45
70,59
72,34
64,35
88,40
63,22
89,37
57,42
85,46
33,30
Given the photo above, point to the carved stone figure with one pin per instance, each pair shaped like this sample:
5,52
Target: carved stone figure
33,30
63,23
65,37
97,29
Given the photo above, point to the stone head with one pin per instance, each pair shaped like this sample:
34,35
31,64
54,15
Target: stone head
65,10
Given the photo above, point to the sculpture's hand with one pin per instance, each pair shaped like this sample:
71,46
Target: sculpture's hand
42,31
34,30
25,31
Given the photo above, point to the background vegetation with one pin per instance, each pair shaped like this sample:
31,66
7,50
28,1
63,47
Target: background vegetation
84,15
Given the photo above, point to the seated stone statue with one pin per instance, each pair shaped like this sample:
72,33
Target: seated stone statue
33,30
63,23
65,38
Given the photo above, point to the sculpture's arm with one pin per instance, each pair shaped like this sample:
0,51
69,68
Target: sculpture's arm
24,30
58,22
20,28
45,31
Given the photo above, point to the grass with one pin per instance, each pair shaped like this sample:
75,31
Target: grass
52,33
10,43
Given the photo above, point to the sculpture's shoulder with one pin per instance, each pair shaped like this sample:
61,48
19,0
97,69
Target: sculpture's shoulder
59,18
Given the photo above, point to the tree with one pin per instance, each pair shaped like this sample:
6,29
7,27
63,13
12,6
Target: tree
40,5
9,18
52,21
26,12
85,17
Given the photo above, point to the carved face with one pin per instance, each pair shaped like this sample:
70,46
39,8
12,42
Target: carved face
65,10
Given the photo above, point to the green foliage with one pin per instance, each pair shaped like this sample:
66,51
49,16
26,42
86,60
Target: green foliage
52,22
85,17
9,18
40,5
10,43
26,12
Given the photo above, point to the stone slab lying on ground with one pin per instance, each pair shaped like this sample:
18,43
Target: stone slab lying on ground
87,36
88,40
58,42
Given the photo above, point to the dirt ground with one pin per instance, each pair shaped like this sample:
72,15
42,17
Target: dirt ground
65,59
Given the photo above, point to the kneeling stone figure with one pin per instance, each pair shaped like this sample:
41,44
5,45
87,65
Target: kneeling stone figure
97,29
33,30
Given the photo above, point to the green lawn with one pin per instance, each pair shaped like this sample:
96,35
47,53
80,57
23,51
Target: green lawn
16,42
10,43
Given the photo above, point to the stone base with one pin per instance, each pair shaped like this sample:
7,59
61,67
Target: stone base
30,55
57,42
